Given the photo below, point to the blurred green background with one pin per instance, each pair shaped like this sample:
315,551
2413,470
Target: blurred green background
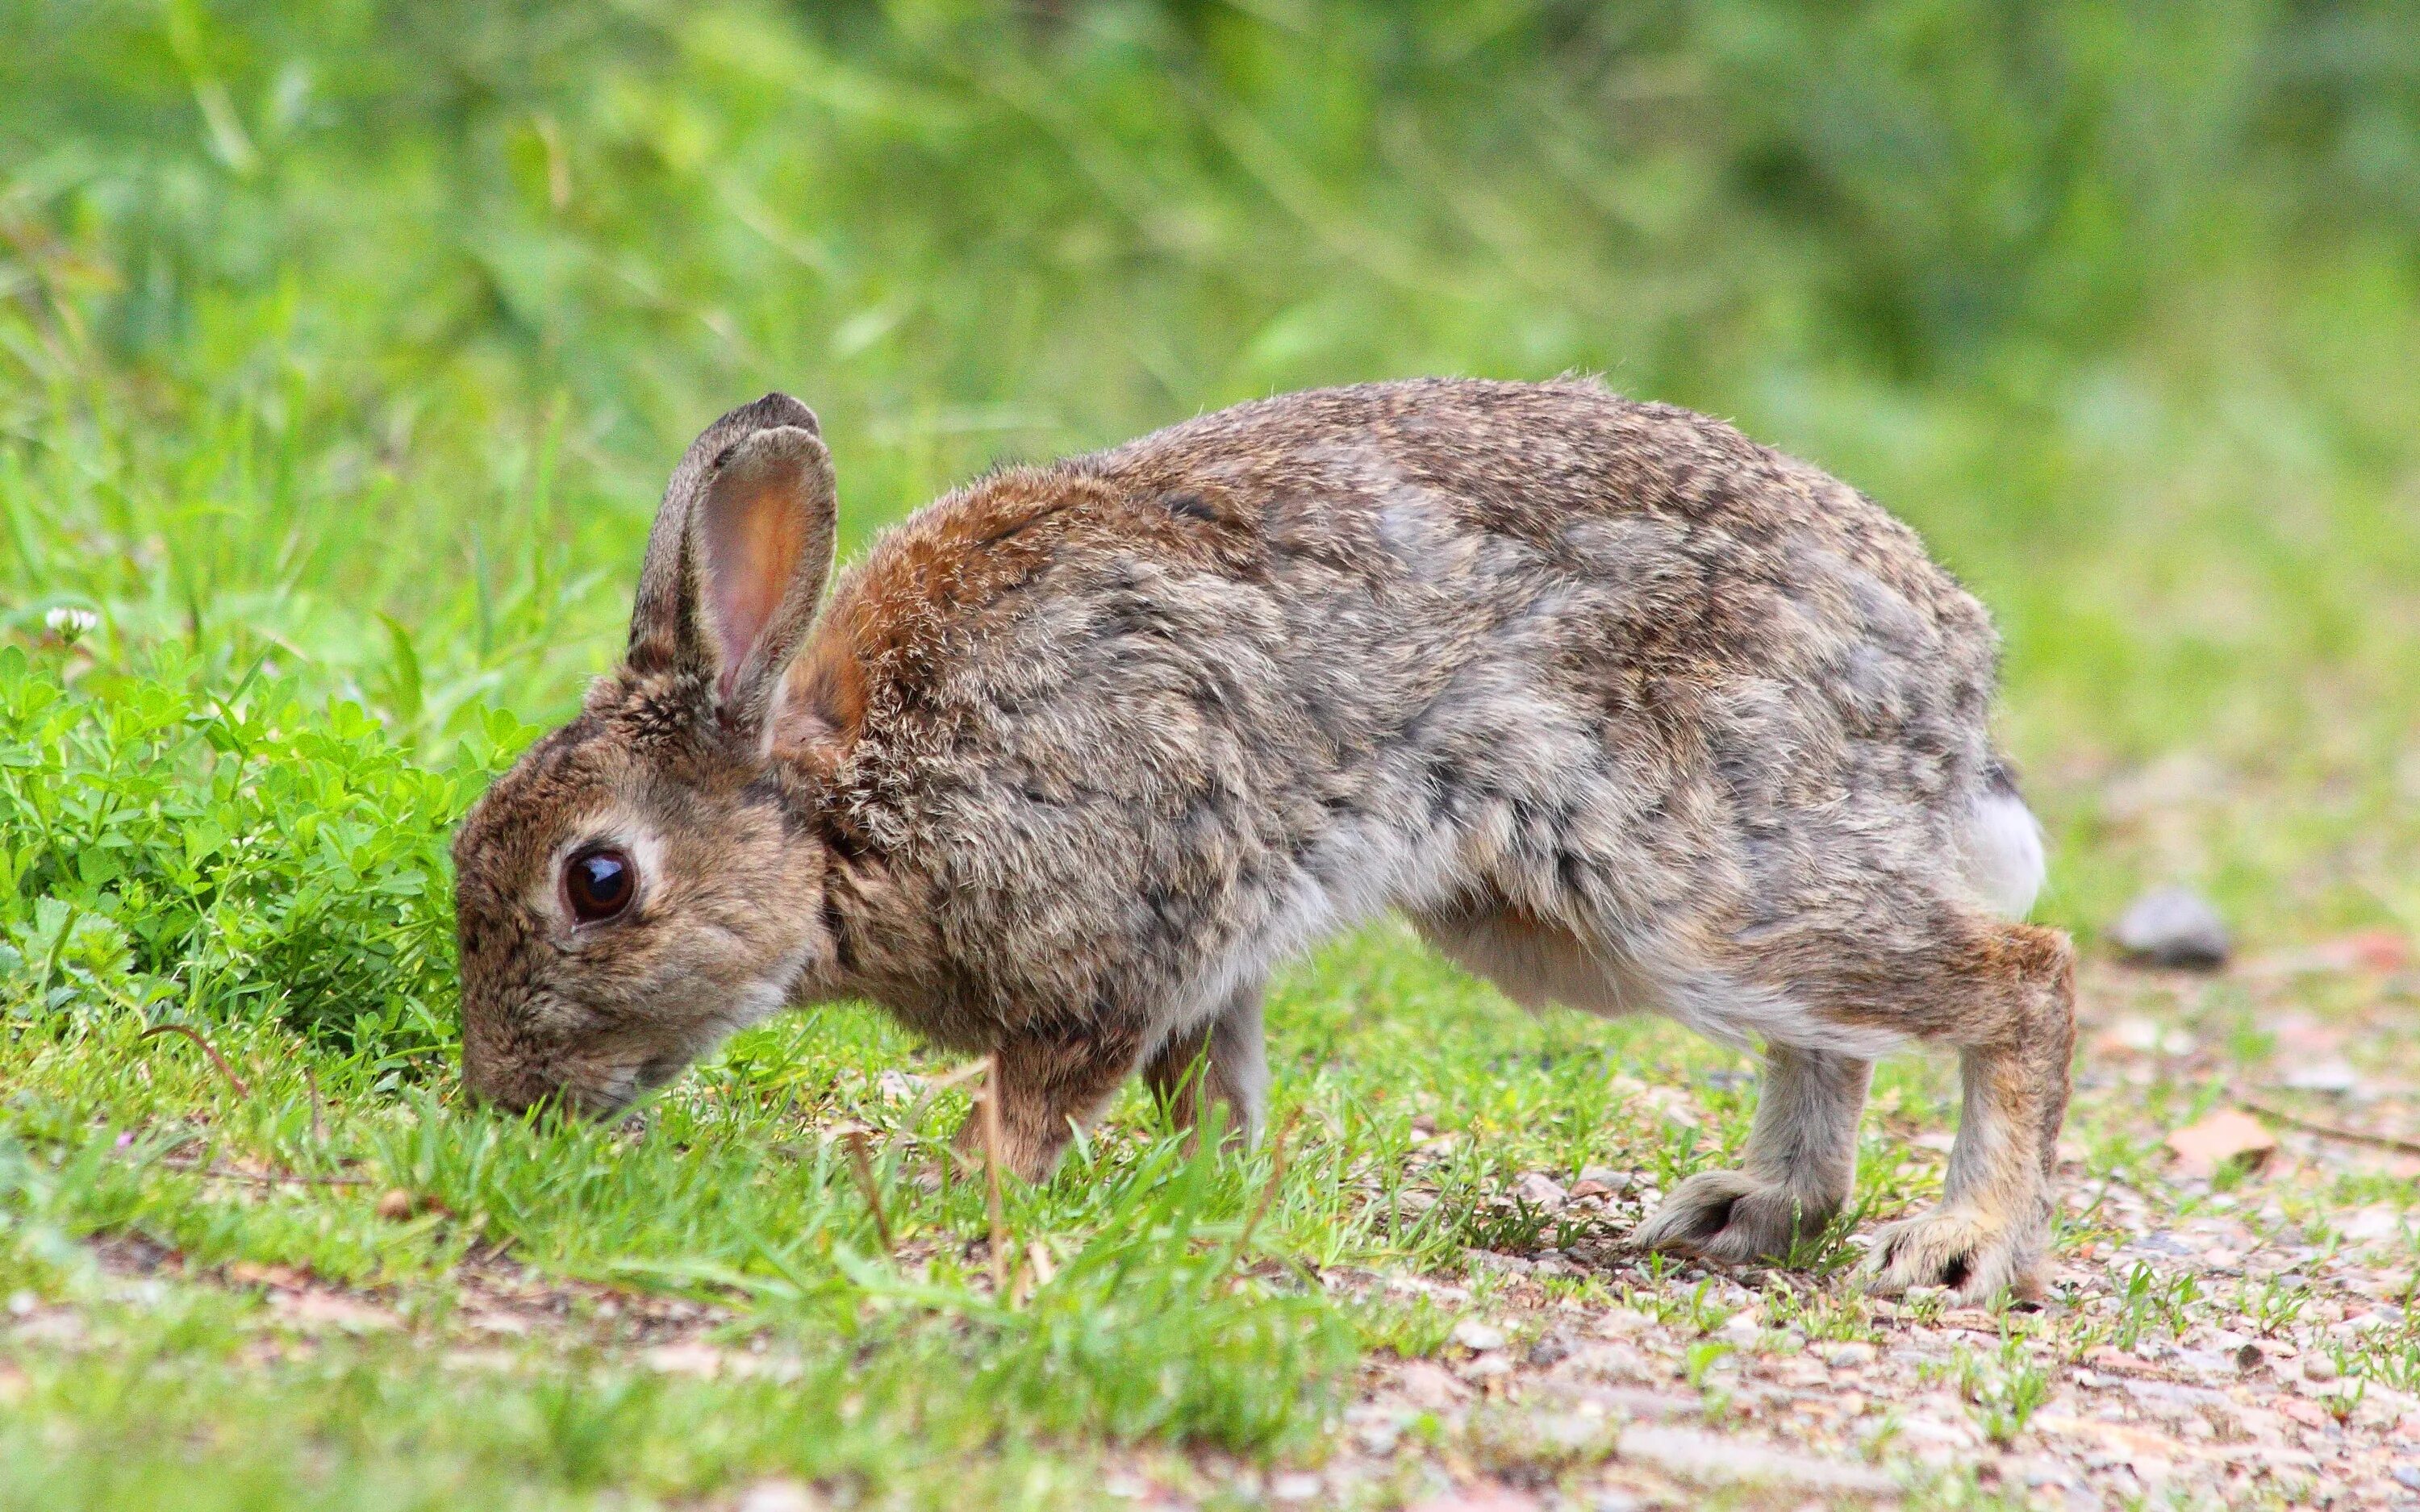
362,333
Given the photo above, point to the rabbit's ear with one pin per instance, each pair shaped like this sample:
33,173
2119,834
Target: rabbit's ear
738,556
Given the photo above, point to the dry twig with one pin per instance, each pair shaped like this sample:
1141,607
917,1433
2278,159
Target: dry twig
2334,1131
862,1163
1277,1158
318,1118
227,1173
990,1109
208,1049
936,1085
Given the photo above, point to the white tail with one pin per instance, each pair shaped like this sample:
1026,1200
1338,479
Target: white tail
2004,848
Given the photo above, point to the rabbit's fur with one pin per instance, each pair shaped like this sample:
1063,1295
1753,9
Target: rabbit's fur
1623,710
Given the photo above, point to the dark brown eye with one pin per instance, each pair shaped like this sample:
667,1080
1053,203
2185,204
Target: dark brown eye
600,884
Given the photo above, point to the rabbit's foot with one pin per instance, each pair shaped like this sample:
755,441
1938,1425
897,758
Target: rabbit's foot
1962,1249
1734,1217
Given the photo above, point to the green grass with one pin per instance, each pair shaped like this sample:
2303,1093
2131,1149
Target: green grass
342,349
1168,1315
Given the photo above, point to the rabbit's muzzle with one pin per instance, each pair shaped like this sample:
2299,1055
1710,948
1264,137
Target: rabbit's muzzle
589,1085
517,1086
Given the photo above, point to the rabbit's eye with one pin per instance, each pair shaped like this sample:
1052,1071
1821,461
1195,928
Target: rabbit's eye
600,884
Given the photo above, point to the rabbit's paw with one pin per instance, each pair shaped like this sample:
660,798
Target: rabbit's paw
1961,1250
1733,1217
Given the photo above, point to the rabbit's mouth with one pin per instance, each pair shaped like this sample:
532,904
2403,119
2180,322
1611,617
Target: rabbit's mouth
625,1086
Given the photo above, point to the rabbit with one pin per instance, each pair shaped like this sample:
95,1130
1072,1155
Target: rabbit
1620,709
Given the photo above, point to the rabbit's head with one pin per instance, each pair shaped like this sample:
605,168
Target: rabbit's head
639,884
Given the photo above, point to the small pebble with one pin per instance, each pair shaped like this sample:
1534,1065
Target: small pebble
2333,1075
1380,1439
1540,1190
1488,1367
1850,1355
1740,1330
2172,927
1477,1336
780,1496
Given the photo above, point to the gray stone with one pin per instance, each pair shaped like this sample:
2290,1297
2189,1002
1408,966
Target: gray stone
2172,927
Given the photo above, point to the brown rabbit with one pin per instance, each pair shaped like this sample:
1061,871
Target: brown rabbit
1623,710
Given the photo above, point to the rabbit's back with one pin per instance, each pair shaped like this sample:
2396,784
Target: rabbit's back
1121,730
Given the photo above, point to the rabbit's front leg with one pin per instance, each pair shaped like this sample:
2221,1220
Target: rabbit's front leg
1048,1084
1220,1060
1801,1160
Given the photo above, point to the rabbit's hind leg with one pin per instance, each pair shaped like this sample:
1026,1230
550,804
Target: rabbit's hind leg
1801,1160
1802,1153
2009,1004
1222,1059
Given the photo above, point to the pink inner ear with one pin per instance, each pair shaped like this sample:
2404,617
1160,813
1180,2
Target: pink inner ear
754,530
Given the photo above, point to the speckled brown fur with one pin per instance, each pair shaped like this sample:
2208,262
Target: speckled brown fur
1618,707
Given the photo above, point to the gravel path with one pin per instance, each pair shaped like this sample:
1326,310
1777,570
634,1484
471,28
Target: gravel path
2237,1340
